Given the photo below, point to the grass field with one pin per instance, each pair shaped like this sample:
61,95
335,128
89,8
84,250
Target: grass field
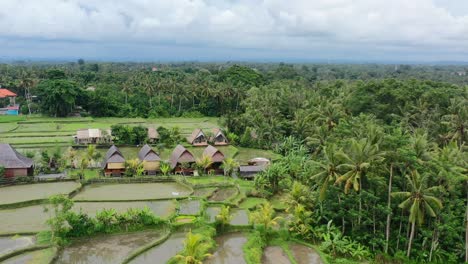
162,209
21,193
131,192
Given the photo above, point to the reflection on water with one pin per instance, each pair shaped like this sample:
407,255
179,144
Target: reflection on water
275,255
162,253
305,255
212,212
106,249
240,217
8,244
189,207
229,249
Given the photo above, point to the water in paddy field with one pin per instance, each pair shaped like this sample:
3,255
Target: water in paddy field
240,217
305,255
212,212
222,194
9,244
163,252
229,249
45,256
275,255
189,207
106,249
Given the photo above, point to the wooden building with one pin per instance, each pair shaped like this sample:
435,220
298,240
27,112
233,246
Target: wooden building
198,138
150,159
92,136
181,156
218,138
153,135
15,164
217,158
255,166
114,163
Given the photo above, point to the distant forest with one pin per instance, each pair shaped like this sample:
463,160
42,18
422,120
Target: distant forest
374,156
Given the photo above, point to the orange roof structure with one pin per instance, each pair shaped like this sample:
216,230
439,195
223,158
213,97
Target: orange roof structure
6,93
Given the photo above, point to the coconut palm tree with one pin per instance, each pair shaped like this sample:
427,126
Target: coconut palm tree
418,202
204,162
327,170
229,165
264,216
165,168
195,249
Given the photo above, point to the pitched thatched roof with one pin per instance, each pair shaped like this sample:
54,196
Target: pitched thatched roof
113,155
218,132
180,155
259,161
88,133
11,159
152,133
195,134
82,134
148,154
213,153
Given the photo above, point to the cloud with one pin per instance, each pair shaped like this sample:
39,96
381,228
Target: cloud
276,25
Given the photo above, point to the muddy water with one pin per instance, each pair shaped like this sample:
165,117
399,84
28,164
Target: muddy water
162,253
34,257
240,217
24,219
305,255
275,255
106,249
204,192
222,194
189,207
212,212
8,244
229,250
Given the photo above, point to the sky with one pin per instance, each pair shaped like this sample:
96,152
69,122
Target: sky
235,30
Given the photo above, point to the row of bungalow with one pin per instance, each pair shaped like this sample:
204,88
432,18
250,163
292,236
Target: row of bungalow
181,162
197,138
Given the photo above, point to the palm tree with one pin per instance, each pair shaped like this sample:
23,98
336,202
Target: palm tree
360,157
195,249
328,170
126,89
204,162
229,165
92,154
264,216
418,202
165,168
224,217
456,120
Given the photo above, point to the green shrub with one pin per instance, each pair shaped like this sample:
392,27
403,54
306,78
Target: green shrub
253,249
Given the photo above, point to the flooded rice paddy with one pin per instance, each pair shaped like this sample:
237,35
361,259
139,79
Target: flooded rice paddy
189,207
106,249
132,191
222,194
9,244
163,252
229,250
27,192
33,257
305,255
204,192
239,217
212,212
275,255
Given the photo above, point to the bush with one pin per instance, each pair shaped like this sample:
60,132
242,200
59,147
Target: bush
253,248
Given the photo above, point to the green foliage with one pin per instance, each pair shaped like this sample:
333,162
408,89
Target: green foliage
134,135
58,96
338,245
223,218
196,248
253,248
59,208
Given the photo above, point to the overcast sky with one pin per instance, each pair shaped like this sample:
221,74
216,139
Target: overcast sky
288,30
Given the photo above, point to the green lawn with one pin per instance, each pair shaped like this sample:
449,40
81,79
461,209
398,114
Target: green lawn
252,202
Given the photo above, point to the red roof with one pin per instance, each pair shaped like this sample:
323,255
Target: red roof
6,93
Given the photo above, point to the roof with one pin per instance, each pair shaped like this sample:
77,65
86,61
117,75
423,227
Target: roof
195,134
259,161
179,155
148,154
82,133
88,133
94,133
6,93
251,168
10,158
213,153
152,133
113,155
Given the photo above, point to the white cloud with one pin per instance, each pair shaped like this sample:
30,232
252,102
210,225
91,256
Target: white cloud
296,25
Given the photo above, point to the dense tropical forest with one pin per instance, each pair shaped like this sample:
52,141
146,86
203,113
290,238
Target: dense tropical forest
374,159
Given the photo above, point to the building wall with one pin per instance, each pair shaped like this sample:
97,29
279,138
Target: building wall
151,165
16,172
113,166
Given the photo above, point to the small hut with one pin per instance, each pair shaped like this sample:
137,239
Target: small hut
198,138
150,160
153,135
259,161
217,158
181,156
89,136
15,164
114,163
218,138
250,171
